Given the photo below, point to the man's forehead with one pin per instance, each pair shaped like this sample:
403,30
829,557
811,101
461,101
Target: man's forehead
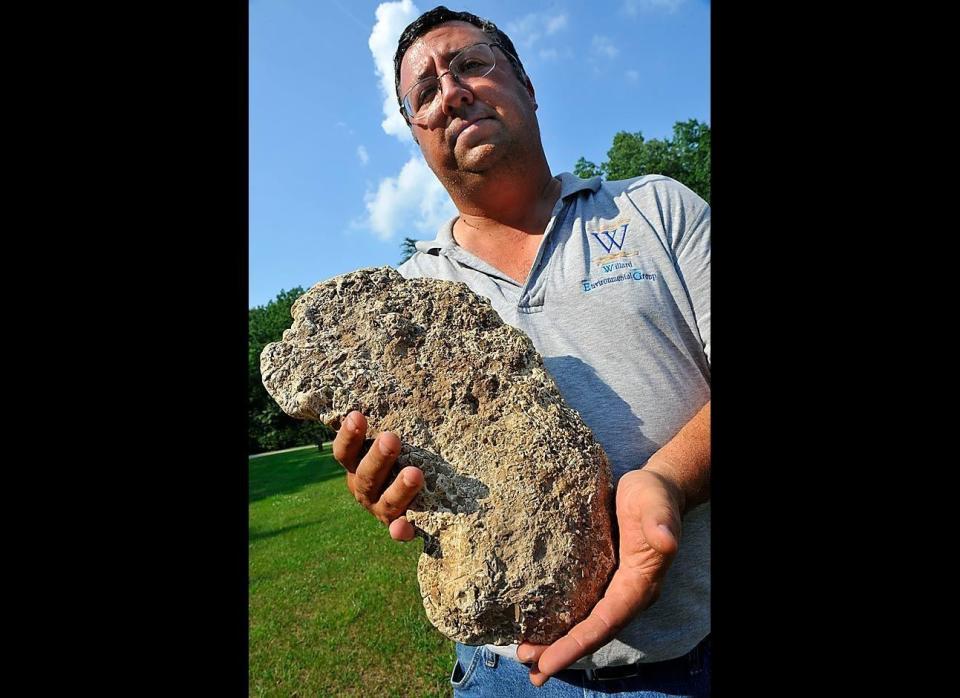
443,41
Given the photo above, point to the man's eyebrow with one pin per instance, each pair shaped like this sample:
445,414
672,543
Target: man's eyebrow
447,56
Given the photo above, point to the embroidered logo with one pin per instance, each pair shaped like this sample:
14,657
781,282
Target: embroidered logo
615,263
635,275
609,239
607,268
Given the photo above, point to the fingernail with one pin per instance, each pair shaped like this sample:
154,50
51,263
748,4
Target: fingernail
384,450
408,479
666,529
524,655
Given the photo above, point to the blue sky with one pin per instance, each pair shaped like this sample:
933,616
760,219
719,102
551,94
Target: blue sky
335,184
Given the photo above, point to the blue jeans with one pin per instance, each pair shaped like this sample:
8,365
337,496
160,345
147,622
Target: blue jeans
480,672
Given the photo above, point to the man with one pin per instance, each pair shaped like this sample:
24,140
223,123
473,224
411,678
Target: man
611,282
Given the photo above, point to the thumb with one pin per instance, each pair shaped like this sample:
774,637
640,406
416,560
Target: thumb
662,534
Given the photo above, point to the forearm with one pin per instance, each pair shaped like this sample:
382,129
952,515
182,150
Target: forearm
684,461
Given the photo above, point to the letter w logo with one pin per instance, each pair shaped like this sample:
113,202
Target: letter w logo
611,238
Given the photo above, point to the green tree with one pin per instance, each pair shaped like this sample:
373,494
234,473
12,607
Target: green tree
692,139
269,428
408,247
584,169
685,157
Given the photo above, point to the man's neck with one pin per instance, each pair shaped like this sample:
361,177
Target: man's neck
503,222
516,201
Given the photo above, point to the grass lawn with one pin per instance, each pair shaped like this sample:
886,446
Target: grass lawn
335,608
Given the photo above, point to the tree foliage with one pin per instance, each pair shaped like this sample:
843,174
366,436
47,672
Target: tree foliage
584,169
685,157
408,247
269,428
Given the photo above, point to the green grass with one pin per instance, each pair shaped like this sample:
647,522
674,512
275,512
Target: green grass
335,608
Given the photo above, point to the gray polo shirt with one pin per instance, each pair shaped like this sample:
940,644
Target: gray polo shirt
618,304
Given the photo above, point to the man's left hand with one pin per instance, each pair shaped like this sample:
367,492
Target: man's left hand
648,514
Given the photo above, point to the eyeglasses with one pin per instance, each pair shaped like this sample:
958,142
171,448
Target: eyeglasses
421,101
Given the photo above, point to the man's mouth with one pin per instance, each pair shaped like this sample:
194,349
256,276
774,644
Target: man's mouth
464,126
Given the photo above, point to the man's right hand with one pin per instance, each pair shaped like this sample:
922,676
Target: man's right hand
367,476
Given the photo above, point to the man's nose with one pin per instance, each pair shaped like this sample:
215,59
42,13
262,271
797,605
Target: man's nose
453,93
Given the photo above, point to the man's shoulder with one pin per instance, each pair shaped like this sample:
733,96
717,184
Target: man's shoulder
650,182
654,190
656,186
421,264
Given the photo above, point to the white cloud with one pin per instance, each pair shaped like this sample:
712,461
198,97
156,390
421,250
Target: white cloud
392,19
524,31
414,202
527,30
362,154
603,46
634,7
555,24
549,54
633,76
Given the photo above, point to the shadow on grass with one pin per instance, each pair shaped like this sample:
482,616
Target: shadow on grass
286,473
256,534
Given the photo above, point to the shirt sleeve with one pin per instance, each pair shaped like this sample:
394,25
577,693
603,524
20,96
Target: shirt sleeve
692,254
685,218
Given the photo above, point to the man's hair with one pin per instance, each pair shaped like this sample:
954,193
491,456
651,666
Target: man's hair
441,15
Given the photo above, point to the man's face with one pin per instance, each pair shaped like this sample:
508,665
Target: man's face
484,121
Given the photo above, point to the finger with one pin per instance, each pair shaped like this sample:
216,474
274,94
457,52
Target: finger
374,468
537,677
527,652
640,500
659,527
395,499
401,529
662,536
624,598
585,637
349,440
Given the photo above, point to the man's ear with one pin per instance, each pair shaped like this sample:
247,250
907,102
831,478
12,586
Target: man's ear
530,91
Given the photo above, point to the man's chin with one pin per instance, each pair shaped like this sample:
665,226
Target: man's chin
478,158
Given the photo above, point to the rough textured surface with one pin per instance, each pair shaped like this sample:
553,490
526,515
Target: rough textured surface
515,512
